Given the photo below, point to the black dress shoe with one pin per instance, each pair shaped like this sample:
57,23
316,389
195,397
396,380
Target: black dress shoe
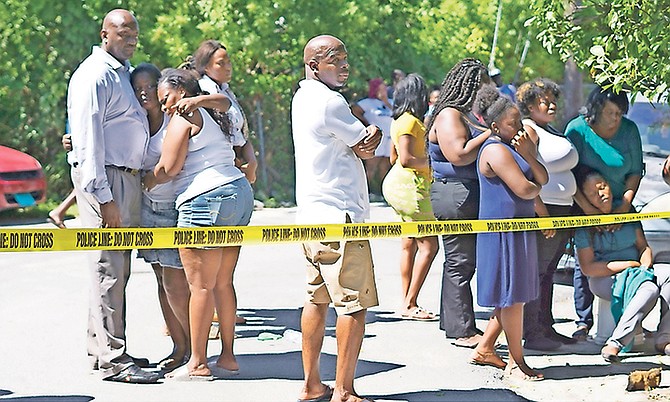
545,344
141,362
134,375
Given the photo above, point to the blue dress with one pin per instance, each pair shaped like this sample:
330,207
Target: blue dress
506,261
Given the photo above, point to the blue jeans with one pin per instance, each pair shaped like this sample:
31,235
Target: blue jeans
583,296
228,205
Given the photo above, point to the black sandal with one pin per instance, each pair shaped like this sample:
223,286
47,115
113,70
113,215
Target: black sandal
581,334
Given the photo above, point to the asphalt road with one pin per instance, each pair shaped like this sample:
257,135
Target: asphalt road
43,307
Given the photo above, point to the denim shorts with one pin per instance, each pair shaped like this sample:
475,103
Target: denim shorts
228,205
159,215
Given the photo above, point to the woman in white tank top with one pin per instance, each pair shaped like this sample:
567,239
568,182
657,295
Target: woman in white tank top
211,191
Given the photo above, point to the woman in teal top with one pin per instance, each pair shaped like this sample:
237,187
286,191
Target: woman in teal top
619,266
609,143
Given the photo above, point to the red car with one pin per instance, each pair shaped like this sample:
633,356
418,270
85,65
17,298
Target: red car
22,181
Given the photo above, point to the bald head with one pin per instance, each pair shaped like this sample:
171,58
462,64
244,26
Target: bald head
325,59
119,34
118,18
321,47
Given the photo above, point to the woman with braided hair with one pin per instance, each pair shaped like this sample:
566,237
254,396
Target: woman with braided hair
454,137
510,178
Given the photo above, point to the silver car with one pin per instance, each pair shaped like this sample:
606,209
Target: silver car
653,120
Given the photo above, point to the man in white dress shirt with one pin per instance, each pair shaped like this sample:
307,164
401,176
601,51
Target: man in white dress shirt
109,138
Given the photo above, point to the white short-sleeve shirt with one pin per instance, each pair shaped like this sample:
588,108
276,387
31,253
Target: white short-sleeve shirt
330,178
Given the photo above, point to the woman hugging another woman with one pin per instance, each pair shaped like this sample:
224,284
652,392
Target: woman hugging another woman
211,191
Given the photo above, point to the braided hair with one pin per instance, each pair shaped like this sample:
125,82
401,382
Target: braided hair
459,87
188,63
187,80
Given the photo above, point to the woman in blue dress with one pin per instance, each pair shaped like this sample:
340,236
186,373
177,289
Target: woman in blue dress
510,177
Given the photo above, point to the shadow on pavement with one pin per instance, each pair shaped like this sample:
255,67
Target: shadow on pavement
579,348
279,320
483,394
288,366
50,398
4,392
591,370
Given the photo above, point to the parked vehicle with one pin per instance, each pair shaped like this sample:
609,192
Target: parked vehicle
22,181
653,120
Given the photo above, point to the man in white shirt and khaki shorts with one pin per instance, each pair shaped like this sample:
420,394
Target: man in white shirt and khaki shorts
331,187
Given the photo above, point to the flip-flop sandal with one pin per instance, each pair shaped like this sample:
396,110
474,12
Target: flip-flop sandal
419,314
182,374
327,394
58,224
487,359
468,342
515,373
220,372
170,363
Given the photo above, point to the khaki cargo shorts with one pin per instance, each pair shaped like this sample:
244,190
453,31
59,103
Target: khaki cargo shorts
344,277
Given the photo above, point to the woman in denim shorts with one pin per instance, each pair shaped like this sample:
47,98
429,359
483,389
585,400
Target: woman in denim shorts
211,191
159,211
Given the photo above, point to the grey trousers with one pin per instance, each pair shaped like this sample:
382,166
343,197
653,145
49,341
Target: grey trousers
457,200
110,271
642,303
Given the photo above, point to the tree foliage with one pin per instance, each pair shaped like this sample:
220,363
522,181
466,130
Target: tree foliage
624,44
44,41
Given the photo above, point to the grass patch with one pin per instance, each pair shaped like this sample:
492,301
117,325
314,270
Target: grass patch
35,212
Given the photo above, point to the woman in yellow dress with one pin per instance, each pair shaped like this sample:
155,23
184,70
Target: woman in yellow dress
407,189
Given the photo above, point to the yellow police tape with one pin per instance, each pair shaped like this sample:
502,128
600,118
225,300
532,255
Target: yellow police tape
12,240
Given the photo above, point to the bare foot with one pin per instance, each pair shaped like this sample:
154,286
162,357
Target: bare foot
200,370
346,396
171,362
610,354
55,219
487,359
227,361
325,394
468,341
522,372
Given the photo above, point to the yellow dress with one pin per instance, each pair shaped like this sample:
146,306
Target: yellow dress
407,190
